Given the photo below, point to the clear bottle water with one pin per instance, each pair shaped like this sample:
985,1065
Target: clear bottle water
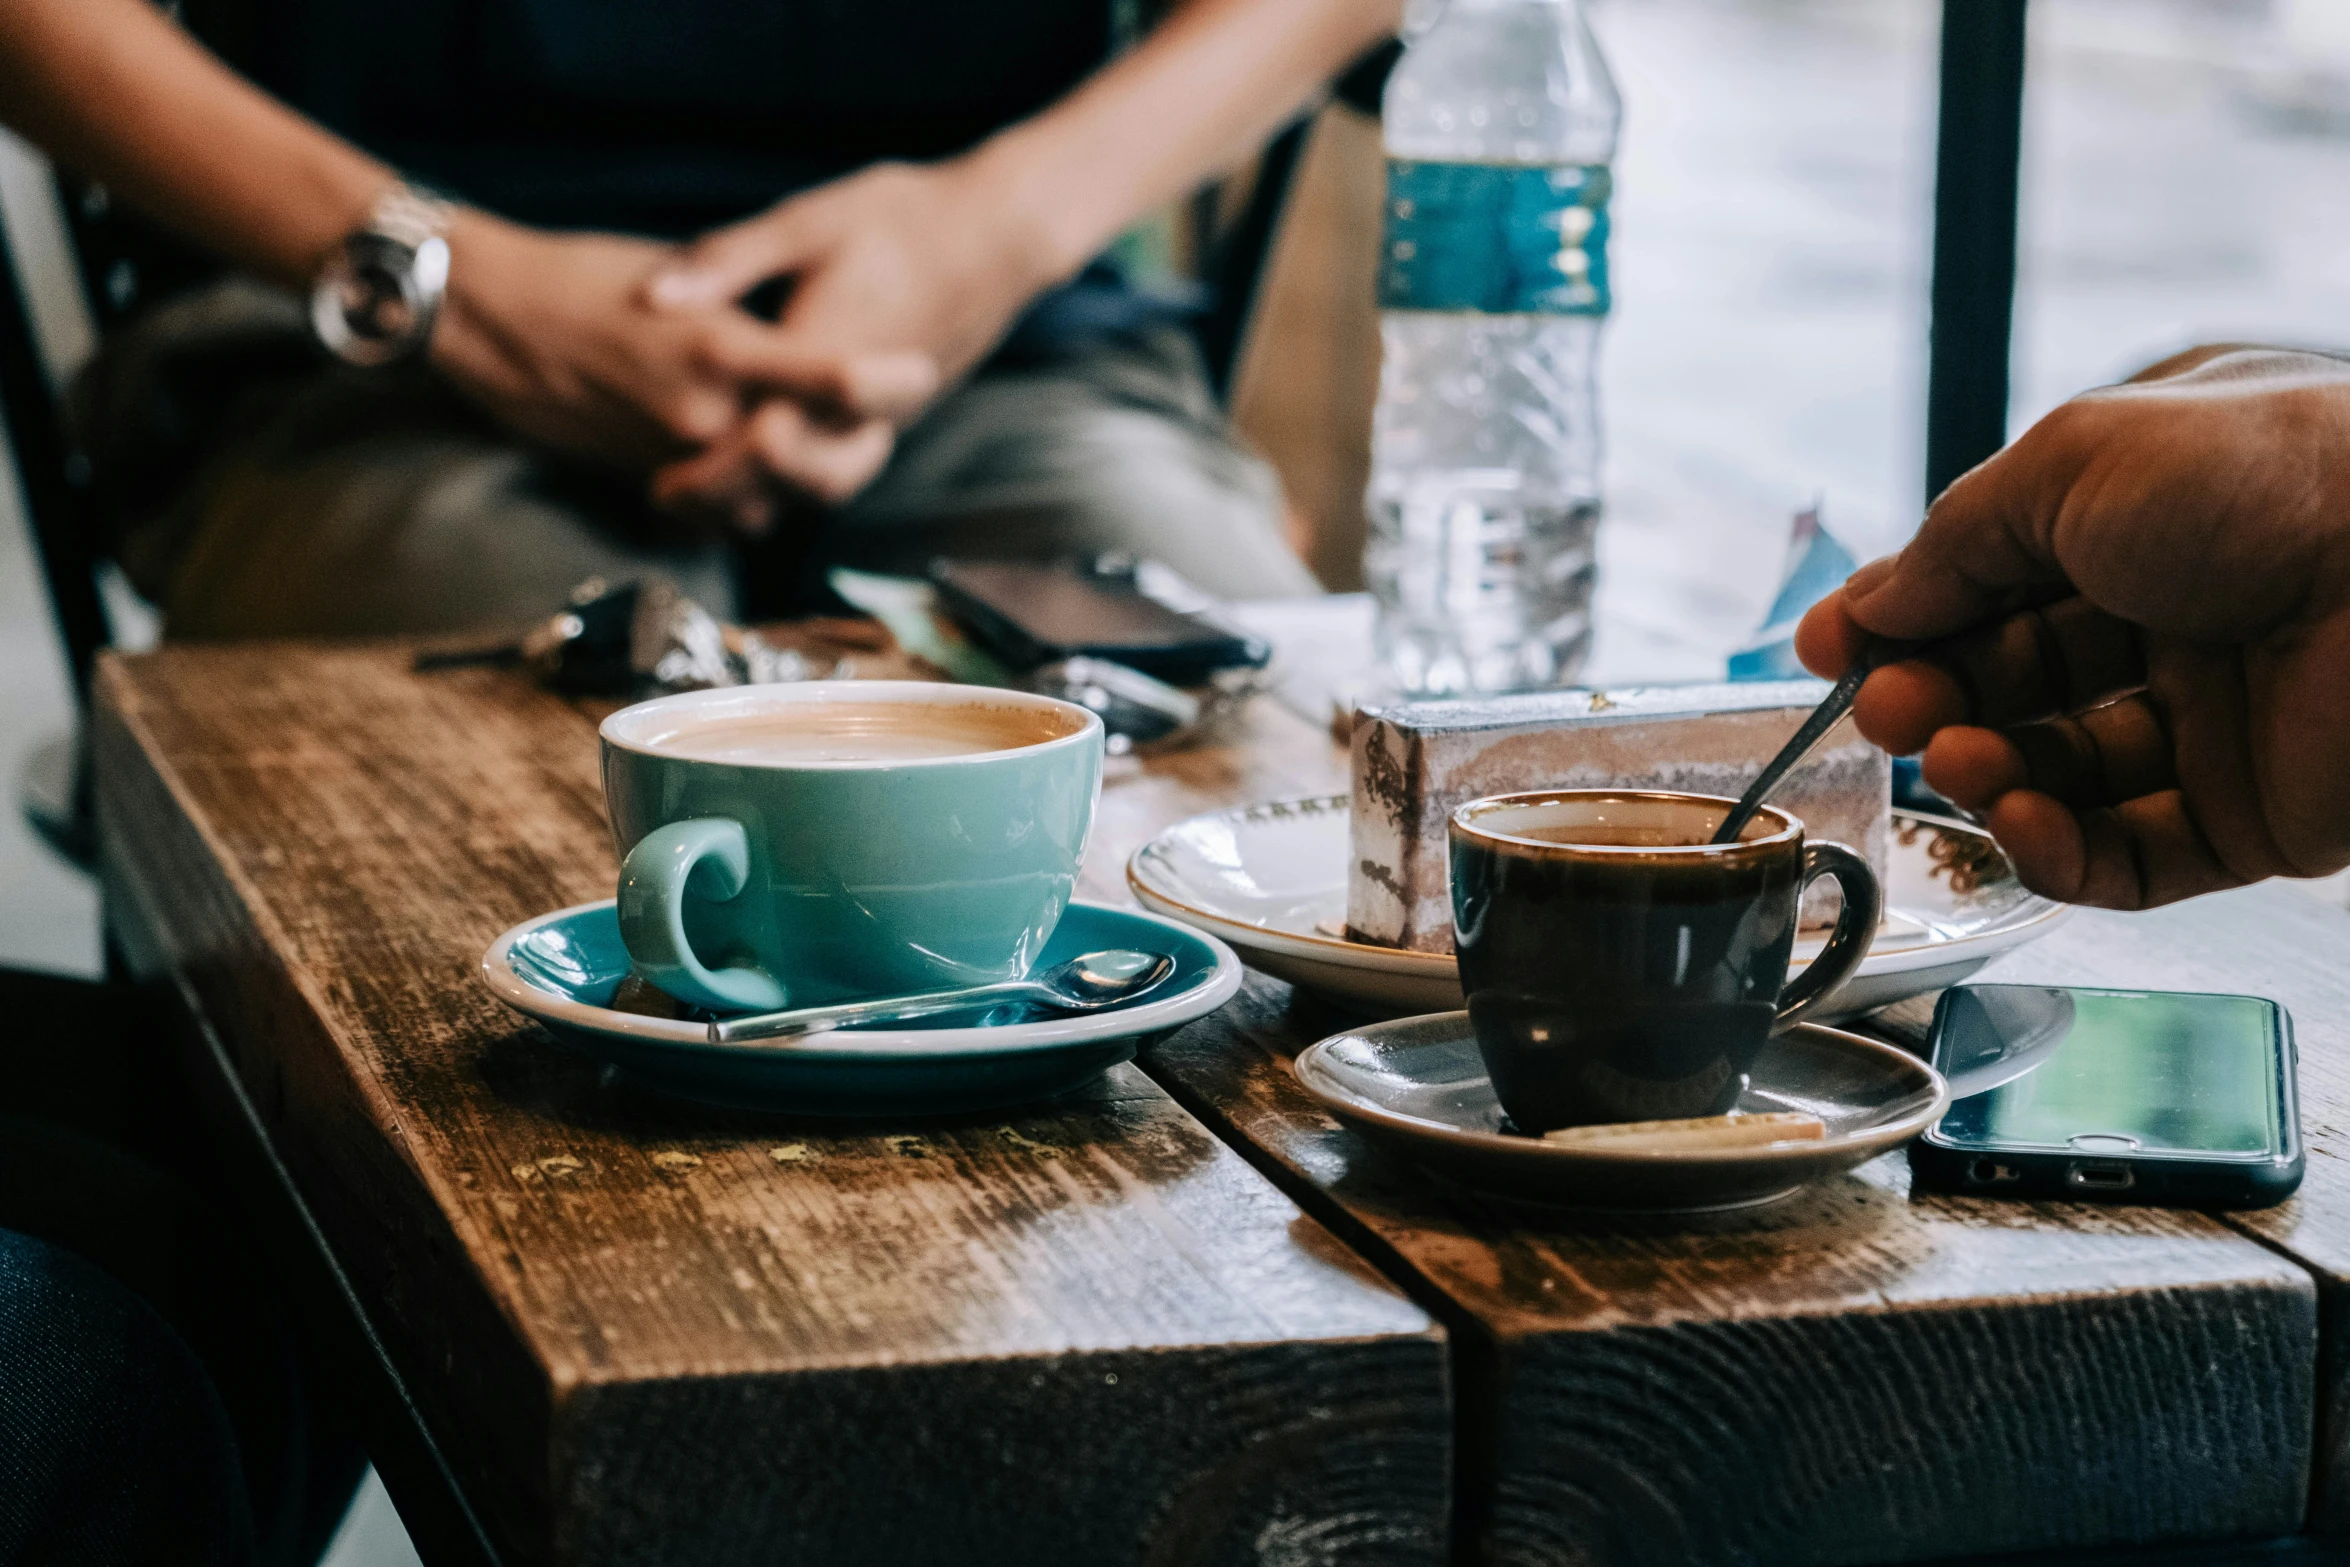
1501,122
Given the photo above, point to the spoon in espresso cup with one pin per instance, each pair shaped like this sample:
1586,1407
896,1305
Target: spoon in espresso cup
1813,730
1799,745
1090,983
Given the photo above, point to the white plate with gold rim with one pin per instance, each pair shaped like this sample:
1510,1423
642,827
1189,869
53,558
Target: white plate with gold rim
1271,880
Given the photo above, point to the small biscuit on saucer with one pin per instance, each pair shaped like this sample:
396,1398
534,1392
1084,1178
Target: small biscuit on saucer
1695,1135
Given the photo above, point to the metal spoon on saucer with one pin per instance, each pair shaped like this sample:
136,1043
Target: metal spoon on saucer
1090,983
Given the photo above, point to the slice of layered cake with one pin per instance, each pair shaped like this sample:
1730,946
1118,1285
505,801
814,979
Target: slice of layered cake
1414,763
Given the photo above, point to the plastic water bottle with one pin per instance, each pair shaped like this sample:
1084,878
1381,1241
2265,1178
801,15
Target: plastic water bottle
1484,497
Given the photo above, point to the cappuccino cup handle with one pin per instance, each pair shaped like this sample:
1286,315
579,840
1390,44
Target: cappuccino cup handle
1848,944
652,912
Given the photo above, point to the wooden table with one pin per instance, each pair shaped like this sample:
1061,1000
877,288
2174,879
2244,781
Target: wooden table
1151,1323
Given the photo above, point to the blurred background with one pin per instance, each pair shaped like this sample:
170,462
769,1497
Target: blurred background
1771,261
2182,177
2182,168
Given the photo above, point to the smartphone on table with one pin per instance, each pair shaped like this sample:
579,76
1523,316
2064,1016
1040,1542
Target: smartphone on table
2121,1095
1031,614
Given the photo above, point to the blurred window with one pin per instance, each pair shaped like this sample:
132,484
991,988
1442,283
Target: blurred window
2183,177
1772,239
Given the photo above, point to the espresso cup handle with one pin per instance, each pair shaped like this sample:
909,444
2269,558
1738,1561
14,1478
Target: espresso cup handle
1848,944
652,912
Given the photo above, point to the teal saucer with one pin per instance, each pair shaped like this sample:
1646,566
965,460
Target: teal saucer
563,969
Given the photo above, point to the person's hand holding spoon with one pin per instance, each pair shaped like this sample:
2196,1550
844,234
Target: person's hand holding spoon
2140,612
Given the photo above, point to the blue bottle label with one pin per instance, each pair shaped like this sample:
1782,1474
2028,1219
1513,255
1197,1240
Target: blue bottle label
1501,239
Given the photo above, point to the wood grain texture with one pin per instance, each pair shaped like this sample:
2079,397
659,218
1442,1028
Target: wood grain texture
665,1335
1849,1376
1088,1334
2268,941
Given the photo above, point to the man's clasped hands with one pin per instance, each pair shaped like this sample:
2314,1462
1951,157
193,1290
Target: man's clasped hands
637,355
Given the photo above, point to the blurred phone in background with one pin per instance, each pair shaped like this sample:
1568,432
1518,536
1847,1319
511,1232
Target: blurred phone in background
1031,614
2121,1095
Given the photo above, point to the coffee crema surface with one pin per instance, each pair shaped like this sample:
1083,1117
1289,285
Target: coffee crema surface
1602,819
836,732
1605,835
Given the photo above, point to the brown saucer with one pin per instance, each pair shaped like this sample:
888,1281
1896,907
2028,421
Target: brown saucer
1418,1086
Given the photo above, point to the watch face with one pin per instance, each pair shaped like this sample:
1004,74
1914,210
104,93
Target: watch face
375,298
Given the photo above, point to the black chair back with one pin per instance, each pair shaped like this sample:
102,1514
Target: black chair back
55,477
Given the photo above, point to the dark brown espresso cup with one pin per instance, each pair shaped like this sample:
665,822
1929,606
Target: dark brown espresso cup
1619,967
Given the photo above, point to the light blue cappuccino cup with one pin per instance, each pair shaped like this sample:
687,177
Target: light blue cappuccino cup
750,885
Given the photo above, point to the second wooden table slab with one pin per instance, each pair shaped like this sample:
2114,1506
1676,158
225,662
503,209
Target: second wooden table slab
1852,1376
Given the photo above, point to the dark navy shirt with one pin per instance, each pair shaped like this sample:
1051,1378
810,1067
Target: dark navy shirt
655,116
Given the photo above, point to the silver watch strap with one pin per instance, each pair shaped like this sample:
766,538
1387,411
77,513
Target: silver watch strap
410,216
376,297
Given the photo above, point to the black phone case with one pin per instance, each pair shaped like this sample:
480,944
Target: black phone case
2154,1179
1190,661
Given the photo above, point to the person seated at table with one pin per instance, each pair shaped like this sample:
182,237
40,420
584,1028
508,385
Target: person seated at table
2146,694
114,1447
953,369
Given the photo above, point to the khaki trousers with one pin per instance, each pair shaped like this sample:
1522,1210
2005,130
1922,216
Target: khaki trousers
267,494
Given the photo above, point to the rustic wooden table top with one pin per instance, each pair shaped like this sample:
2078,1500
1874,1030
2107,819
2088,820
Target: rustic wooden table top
1148,1324
1086,1334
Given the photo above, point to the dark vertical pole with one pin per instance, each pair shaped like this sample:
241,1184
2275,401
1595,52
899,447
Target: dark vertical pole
1979,141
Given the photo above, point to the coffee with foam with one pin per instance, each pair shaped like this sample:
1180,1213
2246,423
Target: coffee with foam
845,733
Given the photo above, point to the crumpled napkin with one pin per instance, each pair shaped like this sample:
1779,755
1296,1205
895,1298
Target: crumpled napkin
1816,565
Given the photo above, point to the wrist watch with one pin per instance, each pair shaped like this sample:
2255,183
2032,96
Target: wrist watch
380,288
